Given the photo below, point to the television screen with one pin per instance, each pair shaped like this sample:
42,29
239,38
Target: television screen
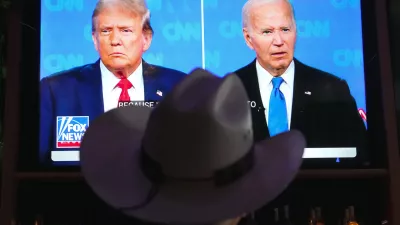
87,49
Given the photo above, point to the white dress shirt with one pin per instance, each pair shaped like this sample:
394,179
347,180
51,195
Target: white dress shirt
265,83
111,92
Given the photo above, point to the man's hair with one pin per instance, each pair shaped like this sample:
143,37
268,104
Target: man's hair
250,4
136,7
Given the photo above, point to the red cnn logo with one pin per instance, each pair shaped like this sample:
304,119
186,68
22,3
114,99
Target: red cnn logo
362,114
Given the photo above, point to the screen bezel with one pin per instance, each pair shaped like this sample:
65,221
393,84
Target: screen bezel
29,98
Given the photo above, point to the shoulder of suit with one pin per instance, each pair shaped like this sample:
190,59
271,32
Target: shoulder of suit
312,73
170,74
72,73
246,72
318,75
245,69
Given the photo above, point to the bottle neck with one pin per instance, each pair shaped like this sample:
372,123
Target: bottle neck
286,212
312,219
276,216
352,218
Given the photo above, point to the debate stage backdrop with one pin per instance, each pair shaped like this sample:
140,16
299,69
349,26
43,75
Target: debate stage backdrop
208,34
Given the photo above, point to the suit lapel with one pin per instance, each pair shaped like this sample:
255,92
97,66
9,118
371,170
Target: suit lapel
252,81
151,83
90,91
258,113
301,95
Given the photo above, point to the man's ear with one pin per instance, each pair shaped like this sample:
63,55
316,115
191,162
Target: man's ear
147,38
247,38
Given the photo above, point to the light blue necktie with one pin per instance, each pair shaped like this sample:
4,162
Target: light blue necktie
277,115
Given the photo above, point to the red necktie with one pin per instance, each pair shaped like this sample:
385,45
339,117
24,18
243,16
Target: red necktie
124,84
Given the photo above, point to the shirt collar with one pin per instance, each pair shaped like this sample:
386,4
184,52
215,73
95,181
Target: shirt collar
288,75
109,80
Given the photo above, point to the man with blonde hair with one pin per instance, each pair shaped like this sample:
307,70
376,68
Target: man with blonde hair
121,34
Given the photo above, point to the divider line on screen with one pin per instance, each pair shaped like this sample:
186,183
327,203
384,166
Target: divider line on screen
203,55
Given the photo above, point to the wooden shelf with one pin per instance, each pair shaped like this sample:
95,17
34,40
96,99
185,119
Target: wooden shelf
343,174
49,176
304,174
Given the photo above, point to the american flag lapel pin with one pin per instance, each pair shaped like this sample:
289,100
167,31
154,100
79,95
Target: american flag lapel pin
159,93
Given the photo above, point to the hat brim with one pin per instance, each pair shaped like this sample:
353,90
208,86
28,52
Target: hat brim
110,154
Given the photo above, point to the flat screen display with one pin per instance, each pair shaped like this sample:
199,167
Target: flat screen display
318,53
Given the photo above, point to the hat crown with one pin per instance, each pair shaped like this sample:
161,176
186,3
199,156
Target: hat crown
208,125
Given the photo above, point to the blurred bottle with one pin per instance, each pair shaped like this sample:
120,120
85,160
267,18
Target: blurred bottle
38,220
286,217
346,218
313,218
352,218
276,216
320,219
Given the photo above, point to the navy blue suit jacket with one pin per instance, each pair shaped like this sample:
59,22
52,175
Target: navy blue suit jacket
78,92
327,118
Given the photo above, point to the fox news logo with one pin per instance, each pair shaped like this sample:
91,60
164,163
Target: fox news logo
70,130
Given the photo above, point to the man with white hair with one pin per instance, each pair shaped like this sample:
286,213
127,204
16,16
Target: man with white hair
288,93
121,33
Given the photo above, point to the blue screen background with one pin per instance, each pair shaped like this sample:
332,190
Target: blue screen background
207,33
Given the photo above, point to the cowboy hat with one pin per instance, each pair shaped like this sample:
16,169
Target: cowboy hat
191,159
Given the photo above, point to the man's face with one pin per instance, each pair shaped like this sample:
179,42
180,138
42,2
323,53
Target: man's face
120,40
272,34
